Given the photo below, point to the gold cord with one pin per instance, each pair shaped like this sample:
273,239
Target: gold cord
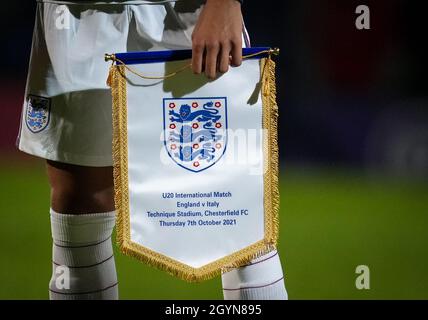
113,58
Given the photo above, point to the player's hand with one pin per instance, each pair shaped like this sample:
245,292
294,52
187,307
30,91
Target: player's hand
217,38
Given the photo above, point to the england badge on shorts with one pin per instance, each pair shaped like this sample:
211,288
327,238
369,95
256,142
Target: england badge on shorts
195,131
37,113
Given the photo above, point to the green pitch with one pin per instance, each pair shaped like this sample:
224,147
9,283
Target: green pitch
331,222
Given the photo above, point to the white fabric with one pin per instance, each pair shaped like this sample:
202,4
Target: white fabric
153,173
262,279
68,73
273,291
83,252
82,228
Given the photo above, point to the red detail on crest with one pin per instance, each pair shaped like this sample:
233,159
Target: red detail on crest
218,145
196,164
218,104
172,126
195,105
195,126
173,147
172,105
218,125
196,146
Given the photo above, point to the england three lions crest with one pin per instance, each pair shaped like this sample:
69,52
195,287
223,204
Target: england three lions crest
37,113
195,131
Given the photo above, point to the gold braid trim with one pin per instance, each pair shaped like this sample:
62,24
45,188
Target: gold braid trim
271,177
117,81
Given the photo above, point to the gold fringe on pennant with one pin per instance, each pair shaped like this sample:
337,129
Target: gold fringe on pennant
117,81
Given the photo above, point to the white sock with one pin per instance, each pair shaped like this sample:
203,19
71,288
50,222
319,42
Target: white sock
261,279
83,261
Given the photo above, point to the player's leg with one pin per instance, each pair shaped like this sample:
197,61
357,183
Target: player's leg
82,220
261,279
67,118
79,189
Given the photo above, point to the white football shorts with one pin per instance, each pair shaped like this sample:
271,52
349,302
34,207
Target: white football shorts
66,114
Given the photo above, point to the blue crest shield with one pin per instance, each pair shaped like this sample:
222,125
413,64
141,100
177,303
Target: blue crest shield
195,131
37,113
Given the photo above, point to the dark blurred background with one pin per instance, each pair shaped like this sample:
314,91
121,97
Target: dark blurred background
347,96
353,141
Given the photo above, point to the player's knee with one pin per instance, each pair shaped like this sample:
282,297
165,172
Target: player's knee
75,200
77,189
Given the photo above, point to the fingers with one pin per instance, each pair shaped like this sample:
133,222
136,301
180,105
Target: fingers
224,57
197,56
212,52
213,58
237,52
